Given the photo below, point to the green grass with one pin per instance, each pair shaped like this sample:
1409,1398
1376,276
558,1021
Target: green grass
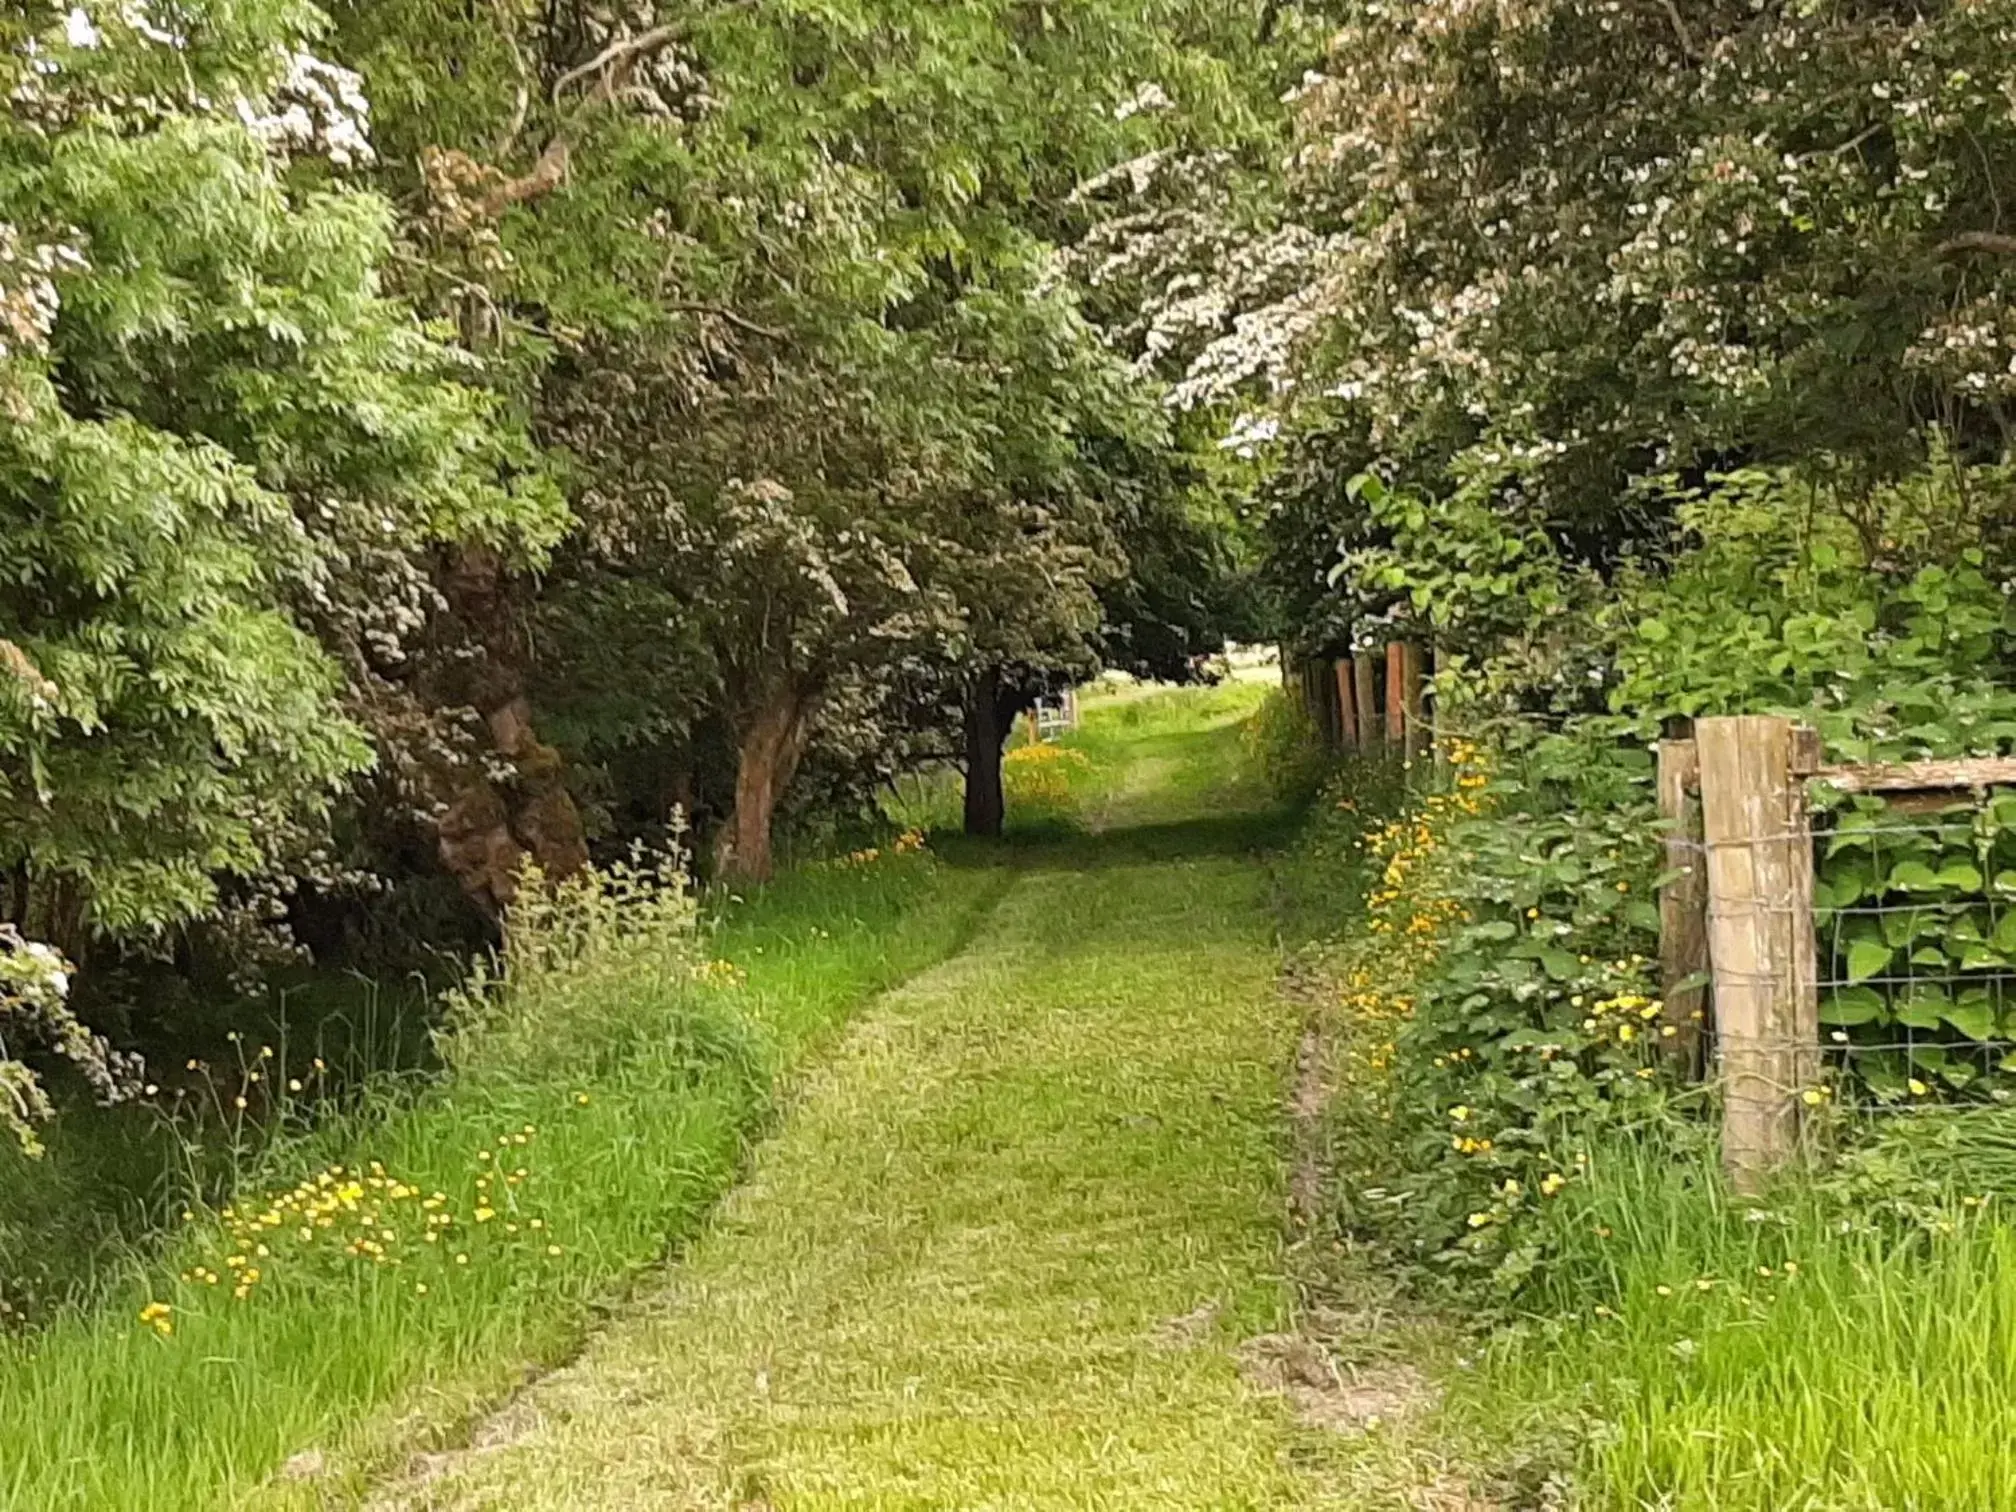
998,1253
1847,1344
641,1088
1879,1372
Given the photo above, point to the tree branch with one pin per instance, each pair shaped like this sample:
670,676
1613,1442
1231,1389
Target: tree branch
548,174
1687,46
625,51
1996,242
697,307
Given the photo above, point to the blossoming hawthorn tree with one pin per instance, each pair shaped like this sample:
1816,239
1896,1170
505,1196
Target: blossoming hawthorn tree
218,430
1546,254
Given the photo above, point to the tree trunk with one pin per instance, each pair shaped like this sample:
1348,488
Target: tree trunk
487,829
990,717
986,807
771,742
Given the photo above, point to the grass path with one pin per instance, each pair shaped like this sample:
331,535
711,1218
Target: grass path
1000,1252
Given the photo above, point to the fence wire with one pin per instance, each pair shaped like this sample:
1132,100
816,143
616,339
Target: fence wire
1915,942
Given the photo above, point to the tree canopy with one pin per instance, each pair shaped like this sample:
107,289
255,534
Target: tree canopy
442,437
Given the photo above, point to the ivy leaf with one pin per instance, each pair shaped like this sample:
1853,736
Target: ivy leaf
1982,958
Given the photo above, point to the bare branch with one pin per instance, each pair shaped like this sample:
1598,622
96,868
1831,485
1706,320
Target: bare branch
696,307
625,51
1996,242
548,174
1687,46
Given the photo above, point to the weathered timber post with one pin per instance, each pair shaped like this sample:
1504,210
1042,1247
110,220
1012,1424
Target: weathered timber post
1396,693
1323,689
1365,684
1417,722
1434,693
1347,706
1759,843
1683,906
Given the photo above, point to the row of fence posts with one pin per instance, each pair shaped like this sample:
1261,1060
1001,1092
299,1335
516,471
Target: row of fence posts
1344,697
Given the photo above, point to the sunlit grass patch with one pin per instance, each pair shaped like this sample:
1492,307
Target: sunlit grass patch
1699,1351
961,1274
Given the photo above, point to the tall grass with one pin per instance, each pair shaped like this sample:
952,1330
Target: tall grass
1694,1350
611,1060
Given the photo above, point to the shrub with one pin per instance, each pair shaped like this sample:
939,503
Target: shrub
1045,783
1502,1012
1283,742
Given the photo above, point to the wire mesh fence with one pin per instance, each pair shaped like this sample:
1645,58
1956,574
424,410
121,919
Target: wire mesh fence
1914,921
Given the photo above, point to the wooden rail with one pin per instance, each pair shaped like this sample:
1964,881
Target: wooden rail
1921,776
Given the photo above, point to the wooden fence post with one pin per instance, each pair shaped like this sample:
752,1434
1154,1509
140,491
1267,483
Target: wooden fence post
1396,693
1758,836
1365,683
1683,905
1347,706
1436,730
1417,719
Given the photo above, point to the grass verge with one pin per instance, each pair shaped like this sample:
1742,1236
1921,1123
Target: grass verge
618,1070
1692,1350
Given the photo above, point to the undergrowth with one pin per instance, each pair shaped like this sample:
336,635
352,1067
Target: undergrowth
1518,1136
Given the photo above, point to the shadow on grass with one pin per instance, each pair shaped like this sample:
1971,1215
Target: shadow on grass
1062,846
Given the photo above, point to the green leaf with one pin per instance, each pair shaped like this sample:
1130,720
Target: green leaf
1846,1007
1924,1008
1497,929
1913,876
1973,1016
1962,876
1867,958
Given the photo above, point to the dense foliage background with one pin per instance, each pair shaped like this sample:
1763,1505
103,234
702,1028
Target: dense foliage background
441,437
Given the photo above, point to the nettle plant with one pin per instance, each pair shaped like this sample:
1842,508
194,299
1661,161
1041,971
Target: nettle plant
1918,940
